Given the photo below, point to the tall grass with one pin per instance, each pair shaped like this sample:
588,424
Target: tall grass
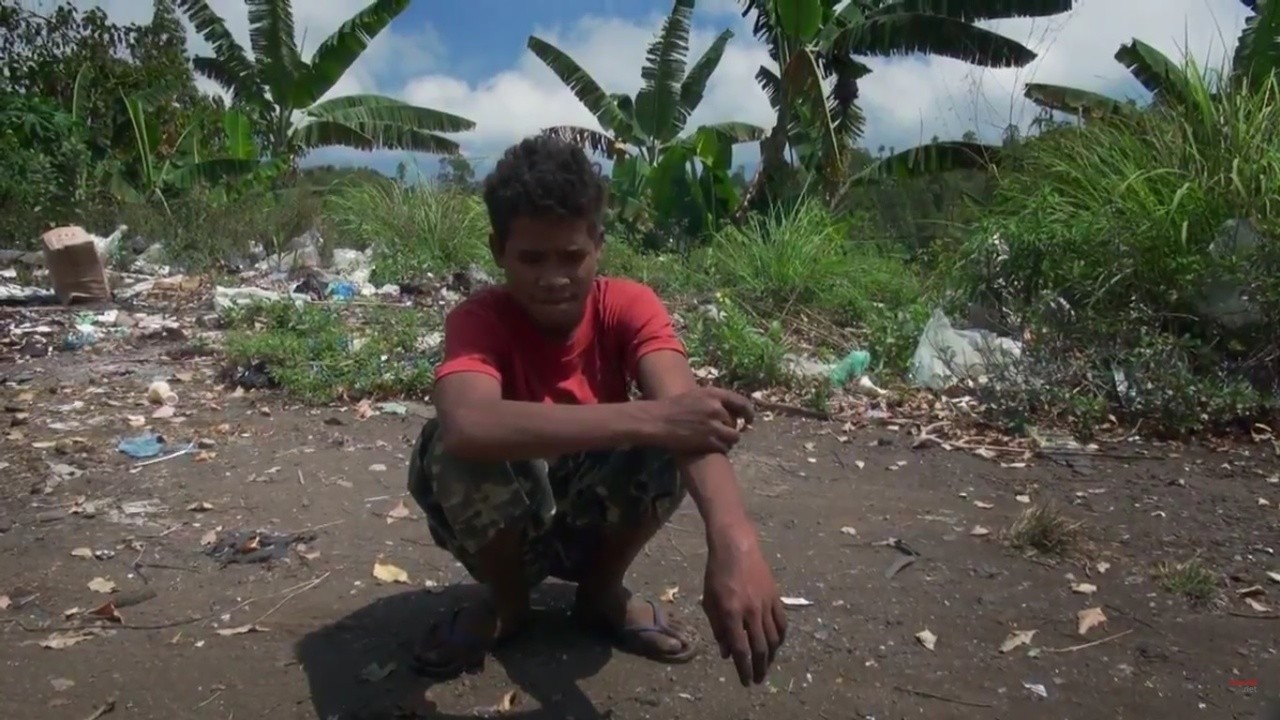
1124,211
412,229
1101,242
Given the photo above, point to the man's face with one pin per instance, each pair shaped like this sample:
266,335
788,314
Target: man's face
550,265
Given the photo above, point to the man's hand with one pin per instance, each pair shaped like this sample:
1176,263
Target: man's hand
701,420
742,602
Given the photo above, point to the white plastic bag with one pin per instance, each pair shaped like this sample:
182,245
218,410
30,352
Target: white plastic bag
946,355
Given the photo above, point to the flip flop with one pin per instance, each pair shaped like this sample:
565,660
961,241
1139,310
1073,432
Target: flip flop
631,638
467,649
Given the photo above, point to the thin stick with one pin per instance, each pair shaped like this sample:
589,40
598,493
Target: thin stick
313,528
1082,646
170,456
943,698
300,480
103,709
206,702
291,596
1251,616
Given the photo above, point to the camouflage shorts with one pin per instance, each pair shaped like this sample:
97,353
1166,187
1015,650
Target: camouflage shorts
562,506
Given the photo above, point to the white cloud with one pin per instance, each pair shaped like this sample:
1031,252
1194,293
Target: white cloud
906,100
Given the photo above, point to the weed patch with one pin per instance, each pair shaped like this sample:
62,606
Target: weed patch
1190,579
1043,530
322,353
414,230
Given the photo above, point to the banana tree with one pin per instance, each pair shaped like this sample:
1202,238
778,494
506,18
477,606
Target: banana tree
1257,57
160,165
815,45
639,134
281,93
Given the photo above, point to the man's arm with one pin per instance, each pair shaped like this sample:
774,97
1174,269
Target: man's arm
476,423
712,482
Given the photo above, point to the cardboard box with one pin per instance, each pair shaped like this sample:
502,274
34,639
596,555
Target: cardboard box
75,266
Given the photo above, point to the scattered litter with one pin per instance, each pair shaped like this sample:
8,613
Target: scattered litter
5,602
1273,576
1024,499
981,505
377,467
1256,606
927,639
945,355
849,530
141,447
393,408
1036,689
242,546
83,552
1084,588
388,573
796,602
979,531
159,393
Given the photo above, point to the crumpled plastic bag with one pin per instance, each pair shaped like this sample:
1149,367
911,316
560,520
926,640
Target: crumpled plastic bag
945,355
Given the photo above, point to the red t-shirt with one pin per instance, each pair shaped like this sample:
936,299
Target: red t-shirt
490,333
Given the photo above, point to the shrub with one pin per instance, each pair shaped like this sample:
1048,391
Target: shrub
413,229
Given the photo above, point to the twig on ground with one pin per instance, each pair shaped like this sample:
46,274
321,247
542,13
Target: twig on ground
794,410
314,528
291,596
210,699
1082,646
1253,616
943,698
103,709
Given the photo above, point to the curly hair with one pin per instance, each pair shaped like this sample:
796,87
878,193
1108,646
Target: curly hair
544,177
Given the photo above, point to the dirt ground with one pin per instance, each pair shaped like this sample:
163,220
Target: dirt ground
333,637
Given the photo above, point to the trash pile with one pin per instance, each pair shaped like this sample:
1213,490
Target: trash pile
72,273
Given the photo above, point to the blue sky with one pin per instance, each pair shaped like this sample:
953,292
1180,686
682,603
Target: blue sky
468,57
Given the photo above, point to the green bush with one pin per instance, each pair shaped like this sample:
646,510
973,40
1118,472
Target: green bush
1099,239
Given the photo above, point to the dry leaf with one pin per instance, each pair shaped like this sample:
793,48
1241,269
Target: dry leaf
1256,606
979,531
63,640
927,639
981,505
209,538
1084,588
107,611
306,552
5,602
1089,619
1251,591
136,421
241,630
399,512
377,673
201,506
669,595
102,585
388,573
848,530
364,410
83,552
1273,576
1102,567
860,464
796,602
163,412
1024,499
1017,638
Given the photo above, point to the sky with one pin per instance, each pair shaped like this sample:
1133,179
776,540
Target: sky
469,58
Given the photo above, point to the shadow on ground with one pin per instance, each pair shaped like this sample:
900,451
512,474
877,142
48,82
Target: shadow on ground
344,662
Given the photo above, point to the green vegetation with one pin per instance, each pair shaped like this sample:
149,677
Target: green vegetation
1097,241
